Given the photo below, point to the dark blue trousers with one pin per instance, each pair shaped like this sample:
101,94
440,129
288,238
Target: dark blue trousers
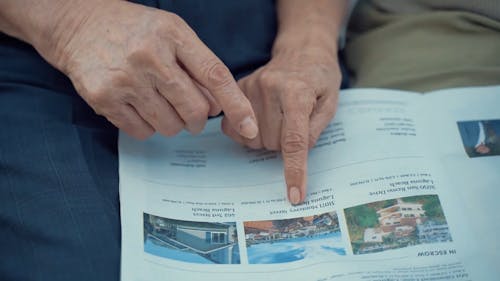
59,208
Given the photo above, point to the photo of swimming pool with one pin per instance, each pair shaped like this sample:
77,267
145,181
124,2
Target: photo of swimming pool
294,239
296,249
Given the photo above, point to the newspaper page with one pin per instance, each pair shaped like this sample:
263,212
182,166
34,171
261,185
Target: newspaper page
381,204
466,137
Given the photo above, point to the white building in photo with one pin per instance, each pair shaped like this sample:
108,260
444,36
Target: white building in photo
373,235
402,213
214,241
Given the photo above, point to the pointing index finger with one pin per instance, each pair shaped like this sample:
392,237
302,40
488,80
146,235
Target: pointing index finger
294,148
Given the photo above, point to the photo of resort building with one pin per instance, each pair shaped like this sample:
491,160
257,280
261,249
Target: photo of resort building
190,241
278,241
396,223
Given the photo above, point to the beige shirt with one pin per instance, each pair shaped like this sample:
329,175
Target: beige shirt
424,45
488,8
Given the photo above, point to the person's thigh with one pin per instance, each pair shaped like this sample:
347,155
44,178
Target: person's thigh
59,212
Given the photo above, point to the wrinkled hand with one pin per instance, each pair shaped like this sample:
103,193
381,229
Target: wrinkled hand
145,70
294,98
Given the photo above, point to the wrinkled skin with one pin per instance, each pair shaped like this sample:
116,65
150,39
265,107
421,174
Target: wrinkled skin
294,97
145,70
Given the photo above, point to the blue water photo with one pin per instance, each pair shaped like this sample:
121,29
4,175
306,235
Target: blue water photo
295,249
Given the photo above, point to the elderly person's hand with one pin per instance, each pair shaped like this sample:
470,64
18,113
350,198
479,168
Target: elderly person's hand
144,69
294,96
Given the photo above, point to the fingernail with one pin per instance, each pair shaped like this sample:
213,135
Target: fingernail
248,128
294,195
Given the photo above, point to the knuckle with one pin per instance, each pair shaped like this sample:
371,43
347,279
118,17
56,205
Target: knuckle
119,79
203,109
293,171
298,99
179,40
93,91
130,96
294,143
118,118
97,98
215,110
113,114
143,134
136,131
140,52
150,114
328,70
297,88
176,21
167,23
173,90
324,68
173,129
268,80
196,113
139,131
217,74
105,90
167,76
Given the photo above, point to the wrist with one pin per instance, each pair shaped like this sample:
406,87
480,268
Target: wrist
47,25
55,35
309,26
314,42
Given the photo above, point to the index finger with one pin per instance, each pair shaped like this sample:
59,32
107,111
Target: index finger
294,148
211,73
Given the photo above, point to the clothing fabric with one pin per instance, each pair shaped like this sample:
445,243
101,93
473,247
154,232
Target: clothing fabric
423,45
476,133
488,8
472,133
59,209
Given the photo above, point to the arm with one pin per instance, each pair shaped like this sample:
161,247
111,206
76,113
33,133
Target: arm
144,69
312,24
310,27
295,94
45,24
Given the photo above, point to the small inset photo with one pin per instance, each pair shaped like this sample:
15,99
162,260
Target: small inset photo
191,241
481,137
396,223
288,240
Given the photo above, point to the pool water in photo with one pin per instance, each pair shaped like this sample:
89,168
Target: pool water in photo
295,249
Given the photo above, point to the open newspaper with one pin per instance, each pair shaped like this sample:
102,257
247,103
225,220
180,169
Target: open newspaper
401,186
